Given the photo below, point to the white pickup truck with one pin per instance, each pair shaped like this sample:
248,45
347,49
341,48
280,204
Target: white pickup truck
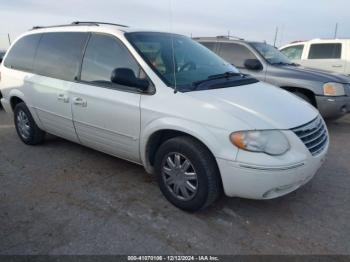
328,54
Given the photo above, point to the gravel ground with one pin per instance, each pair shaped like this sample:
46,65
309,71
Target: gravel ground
63,198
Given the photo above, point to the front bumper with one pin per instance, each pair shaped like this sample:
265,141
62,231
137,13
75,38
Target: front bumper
267,182
333,107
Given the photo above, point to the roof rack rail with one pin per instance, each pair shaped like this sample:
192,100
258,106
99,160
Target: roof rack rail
229,37
77,23
96,23
50,26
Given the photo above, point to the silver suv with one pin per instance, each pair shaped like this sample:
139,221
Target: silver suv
328,92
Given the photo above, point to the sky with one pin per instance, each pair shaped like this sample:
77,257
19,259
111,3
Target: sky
249,19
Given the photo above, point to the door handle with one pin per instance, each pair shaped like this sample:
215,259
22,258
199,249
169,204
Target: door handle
78,101
63,98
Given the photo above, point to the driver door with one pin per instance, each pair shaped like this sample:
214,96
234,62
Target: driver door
236,54
106,115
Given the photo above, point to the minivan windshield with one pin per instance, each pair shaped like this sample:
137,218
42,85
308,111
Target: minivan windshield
179,61
271,54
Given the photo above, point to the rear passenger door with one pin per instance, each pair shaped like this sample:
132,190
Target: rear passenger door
107,115
237,54
210,45
326,56
56,66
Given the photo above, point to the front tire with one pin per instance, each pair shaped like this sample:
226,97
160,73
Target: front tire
26,127
187,173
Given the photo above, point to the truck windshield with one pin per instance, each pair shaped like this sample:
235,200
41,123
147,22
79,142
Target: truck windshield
179,61
271,54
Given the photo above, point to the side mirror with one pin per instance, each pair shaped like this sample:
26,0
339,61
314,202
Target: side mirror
253,64
126,77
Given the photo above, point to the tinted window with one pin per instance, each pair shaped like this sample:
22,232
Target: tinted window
209,45
293,52
103,55
325,51
235,54
59,55
22,53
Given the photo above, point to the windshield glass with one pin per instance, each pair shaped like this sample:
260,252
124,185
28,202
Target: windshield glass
271,54
190,63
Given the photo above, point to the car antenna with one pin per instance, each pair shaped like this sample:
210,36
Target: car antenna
172,43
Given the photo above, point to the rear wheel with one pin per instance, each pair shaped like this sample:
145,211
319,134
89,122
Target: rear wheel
26,127
187,173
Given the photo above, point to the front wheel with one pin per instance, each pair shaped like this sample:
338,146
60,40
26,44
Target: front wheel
187,173
26,127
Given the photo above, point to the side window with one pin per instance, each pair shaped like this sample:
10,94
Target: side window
209,45
235,54
104,54
59,55
22,53
293,52
325,51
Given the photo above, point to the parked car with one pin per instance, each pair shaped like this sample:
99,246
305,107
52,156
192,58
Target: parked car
328,92
166,102
327,54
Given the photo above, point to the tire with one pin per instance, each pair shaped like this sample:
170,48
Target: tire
201,163
303,96
26,128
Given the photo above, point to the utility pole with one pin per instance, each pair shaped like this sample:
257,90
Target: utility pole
276,34
336,30
8,36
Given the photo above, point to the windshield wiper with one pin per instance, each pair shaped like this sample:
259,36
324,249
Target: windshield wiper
226,75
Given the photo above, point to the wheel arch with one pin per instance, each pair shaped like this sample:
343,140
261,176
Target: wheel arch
15,97
307,92
161,130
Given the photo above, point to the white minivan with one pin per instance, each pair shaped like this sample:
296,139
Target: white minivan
327,54
166,102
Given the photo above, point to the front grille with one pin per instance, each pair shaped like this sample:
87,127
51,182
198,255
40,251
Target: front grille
314,135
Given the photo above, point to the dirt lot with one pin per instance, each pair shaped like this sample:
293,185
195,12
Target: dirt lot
62,198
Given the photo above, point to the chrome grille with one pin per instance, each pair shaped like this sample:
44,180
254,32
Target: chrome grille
314,135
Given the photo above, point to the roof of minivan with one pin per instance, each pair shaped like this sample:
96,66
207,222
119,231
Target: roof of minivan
90,27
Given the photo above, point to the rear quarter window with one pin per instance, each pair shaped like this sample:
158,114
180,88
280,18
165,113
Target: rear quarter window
22,54
325,51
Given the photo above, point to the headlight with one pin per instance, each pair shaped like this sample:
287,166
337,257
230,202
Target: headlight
333,89
272,142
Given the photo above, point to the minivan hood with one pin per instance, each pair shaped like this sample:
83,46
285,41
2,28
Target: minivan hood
259,105
300,72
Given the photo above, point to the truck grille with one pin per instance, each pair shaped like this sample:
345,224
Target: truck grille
314,135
